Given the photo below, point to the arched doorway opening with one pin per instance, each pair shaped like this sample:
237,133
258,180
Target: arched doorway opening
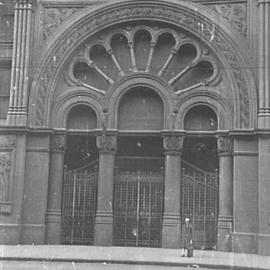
199,187
139,178
80,178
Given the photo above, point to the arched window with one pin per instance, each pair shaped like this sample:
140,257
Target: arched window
81,117
140,109
201,117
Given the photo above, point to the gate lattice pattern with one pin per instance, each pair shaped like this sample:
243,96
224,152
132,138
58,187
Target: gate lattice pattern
79,205
200,204
138,202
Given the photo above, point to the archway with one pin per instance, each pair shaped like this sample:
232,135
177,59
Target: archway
139,179
199,186
80,177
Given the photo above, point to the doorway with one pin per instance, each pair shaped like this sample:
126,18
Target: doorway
138,192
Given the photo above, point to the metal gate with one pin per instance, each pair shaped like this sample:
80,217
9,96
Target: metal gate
79,205
200,204
138,202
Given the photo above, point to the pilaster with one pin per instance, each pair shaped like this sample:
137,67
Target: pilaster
107,144
17,113
264,61
53,215
171,227
225,218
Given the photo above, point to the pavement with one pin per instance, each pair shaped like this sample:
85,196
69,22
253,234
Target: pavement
132,256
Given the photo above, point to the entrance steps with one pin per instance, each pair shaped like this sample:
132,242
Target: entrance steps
134,256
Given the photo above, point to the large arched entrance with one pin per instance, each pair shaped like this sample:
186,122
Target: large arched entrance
199,185
149,47
139,167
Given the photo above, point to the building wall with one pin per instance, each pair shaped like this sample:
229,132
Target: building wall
25,139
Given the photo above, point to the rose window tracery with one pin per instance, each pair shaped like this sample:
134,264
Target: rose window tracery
168,54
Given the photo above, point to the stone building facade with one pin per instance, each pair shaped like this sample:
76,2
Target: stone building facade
120,118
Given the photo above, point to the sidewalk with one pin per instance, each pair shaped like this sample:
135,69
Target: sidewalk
125,255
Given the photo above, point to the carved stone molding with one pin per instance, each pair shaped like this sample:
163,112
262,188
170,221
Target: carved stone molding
107,143
210,33
225,145
58,143
173,143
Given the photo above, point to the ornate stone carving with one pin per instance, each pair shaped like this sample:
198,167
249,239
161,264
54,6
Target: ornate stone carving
225,145
53,17
235,13
58,143
8,142
173,143
107,143
5,168
197,24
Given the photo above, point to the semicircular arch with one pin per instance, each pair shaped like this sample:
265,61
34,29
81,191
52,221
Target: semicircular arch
230,48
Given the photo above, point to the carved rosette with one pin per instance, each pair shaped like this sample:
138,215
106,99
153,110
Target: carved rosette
225,145
107,143
58,144
173,144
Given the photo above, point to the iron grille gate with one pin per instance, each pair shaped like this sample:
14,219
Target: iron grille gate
79,205
200,204
138,202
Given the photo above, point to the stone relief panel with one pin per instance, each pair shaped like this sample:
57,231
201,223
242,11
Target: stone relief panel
7,149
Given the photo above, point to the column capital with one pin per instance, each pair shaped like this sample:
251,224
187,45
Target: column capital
58,143
107,143
173,143
225,145
263,2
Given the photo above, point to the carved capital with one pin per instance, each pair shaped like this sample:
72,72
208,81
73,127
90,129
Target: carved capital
225,145
7,142
58,143
107,143
173,143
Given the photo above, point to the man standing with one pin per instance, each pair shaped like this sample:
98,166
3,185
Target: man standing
187,237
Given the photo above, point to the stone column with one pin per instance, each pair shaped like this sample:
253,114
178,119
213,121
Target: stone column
53,217
264,62
225,218
104,215
17,113
171,230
